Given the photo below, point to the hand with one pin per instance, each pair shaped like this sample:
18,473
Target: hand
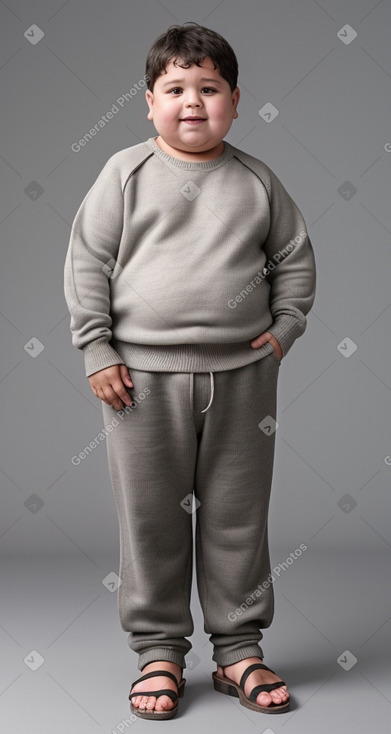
262,339
110,385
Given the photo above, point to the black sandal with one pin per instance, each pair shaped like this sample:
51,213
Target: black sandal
228,686
153,714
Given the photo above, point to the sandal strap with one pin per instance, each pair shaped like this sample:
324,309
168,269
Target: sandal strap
262,687
163,691
266,687
250,669
154,673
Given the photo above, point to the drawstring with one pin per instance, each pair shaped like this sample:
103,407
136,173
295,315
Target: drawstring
211,391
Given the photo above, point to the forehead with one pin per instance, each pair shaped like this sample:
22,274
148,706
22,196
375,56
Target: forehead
177,74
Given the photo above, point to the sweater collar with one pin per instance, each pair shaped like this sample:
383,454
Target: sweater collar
226,155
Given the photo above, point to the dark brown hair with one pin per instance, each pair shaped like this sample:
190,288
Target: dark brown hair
190,45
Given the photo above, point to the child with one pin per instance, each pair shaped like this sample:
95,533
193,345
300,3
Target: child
189,275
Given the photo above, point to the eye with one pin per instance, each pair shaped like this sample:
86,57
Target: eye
175,89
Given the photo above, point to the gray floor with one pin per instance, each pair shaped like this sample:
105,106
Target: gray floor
327,603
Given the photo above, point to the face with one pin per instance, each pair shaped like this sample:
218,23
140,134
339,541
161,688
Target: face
198,91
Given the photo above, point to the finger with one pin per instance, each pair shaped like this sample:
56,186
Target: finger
112,398
114,401
126,375
108,396
120,389
258,342
100,394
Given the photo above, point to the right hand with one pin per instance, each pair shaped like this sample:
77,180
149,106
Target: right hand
109,385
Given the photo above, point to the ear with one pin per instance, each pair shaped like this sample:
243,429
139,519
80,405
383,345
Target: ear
235,101
149,100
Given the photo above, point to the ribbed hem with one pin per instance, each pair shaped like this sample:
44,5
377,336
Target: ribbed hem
100,353
161,653
189,357
230,658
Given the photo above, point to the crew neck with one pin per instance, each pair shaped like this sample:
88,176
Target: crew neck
192,165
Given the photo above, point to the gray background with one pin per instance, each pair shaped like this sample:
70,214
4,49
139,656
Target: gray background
58,527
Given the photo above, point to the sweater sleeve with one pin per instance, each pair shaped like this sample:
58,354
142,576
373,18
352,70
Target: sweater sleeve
291,269
89,265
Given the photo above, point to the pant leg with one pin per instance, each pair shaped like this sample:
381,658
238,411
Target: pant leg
233,483
152,454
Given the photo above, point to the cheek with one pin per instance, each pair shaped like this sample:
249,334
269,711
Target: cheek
220,111
168,111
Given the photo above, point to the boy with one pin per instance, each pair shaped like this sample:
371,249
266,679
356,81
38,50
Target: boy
190,265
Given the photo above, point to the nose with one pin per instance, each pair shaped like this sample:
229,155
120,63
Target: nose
193,98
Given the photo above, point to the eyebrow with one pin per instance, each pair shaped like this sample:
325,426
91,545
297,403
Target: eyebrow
180,81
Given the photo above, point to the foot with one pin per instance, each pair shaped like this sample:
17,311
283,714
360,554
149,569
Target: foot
160,703
256,678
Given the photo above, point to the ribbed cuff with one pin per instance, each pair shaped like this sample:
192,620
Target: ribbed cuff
287,329
161,653
230,658
98,355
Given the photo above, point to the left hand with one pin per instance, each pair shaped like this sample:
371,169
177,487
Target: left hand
260,340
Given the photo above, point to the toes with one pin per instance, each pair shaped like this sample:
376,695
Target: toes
264,699
150,702
164,703
141,701
275,696
282,692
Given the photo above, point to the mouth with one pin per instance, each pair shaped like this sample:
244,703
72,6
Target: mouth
193,120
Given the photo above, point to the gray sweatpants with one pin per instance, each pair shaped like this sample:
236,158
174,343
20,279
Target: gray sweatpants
211,434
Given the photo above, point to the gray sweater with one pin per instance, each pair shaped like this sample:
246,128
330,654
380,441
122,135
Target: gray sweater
177,266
